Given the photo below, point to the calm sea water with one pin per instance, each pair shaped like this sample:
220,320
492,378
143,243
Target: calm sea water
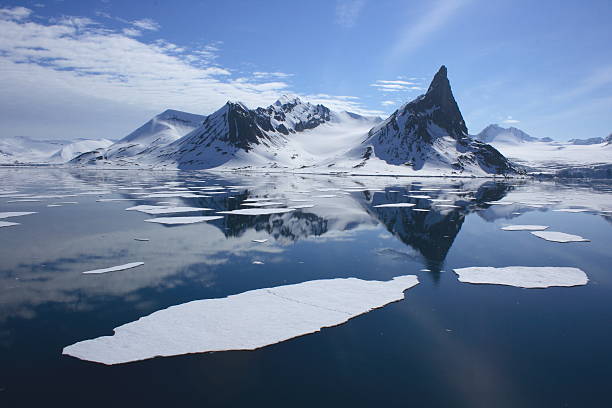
447,344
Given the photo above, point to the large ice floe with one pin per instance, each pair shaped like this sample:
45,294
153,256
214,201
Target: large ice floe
525,227
7,224
114,268
555,236
523,276
183,220
245,321
257,211
14,214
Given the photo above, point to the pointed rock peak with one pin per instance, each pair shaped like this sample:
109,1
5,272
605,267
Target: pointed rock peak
236,105
288,99
440,85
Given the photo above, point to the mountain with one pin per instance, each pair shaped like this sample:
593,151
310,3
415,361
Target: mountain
497,134
76,148
27,150
287,134
427,135
161,130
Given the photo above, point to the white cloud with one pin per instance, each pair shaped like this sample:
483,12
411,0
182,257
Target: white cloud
77,68
510,121
347,12
395,85
14,13
388,103
146,24
421,28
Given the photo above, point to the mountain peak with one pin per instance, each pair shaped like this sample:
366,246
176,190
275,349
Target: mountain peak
440,80
288,99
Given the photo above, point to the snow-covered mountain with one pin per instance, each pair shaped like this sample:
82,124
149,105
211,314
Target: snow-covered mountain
427,136
545,154
290,133
76,148
497,134
27,150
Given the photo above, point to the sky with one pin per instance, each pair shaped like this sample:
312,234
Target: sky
101,68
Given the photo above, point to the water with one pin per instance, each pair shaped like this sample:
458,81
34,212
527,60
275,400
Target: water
446,344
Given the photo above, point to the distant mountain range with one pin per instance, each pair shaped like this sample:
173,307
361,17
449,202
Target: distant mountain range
427,136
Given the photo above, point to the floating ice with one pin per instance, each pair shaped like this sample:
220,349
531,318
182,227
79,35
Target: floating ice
572,210
257,211
559,236
392,205
182,220
262,204
325,196
162,209
245,321
419,196
300,206
261,241
524,227
142,239
257,263
499,202
115,268
23,201
7,224
14,214
523,276
420,209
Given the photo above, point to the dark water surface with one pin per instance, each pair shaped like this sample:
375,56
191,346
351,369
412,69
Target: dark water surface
447,344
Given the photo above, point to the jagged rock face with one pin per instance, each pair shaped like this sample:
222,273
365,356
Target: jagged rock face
431,129
292,115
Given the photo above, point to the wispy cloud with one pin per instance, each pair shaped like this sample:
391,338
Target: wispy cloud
510,121
419,29
388,103
347,12
395,85
72,59
146,24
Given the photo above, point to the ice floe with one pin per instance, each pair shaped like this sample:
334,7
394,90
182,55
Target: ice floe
257,211
261,241
525,227
245,321
523,276
393,205
14,214
182,220
559,236
571,210
114,268
7,224
163,209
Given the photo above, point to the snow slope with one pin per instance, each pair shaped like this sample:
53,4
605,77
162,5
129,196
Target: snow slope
76,148
27,150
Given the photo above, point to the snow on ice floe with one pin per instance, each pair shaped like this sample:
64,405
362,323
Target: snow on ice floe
571,210
555,236
14,214
7,224
523,276
246,321
260,241
302,206
257,211
114,268
525,227
182,220
257,263
262,204
393,205
499,202
164,209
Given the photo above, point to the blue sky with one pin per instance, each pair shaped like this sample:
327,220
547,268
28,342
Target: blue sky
78,68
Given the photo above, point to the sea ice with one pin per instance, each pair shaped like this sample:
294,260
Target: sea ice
555,236
182,220
154,210
261,241
257,211
572,210
114,268
245,321
523,276
14,214
525,227
7,224
392,205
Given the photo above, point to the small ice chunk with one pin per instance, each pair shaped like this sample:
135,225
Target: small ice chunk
419,196
182,220
14,214
245,321
114,268
300,206
23,201
393,205
523,276
525,227
257,211
555,236
499,202
262,204
447,205
421,209
257,263
261,241
7,224
571,210
325,196
155,210
141,239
